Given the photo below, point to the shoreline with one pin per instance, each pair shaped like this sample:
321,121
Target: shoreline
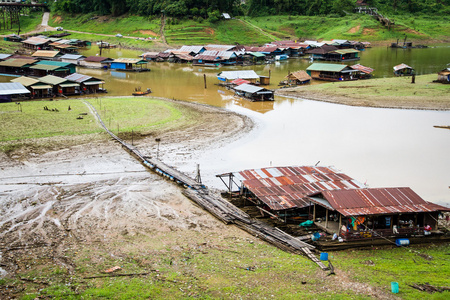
393,93
341,102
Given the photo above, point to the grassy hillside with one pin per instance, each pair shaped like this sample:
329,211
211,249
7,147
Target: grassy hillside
354,27
27,24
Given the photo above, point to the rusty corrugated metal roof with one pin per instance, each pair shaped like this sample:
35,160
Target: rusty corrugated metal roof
239,81
402,66
98,59
286,187
362,68
375,201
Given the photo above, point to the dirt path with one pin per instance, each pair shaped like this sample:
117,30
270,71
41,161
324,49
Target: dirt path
45,18
161,32
258,28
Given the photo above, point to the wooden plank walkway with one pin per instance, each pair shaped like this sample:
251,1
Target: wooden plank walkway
218,206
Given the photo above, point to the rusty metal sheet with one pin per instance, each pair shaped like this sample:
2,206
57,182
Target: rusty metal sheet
374,201
287,187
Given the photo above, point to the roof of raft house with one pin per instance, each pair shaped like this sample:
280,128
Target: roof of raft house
375,201
283,188
286,187
401,67
362,68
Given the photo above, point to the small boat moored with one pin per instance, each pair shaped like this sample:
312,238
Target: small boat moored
138,92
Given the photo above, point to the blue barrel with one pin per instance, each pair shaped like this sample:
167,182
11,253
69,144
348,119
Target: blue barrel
402,242
323,256
394,287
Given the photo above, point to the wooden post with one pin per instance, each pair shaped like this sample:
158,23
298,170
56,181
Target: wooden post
204,79
326,219
314,212
340,223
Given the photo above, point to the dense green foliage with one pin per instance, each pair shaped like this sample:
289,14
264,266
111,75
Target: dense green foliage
212,8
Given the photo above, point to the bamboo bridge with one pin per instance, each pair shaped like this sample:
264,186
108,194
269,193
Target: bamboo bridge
218,206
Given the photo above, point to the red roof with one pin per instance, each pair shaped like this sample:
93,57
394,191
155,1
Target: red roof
374,201
363,69
96,58
239,81
286,187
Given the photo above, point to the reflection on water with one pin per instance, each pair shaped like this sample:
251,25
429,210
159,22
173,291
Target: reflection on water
383,147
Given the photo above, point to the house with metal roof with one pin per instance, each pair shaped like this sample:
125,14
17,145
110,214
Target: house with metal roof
331,72
87,83
319,53
364,72
193,50
253,92
36,43
12,91
47,54
4,56
255,58
72,58
333,201
403,70
227,76
212,47
342,55
129,64
216,57
61,86
63,47
44,70
37,88
96,62
68,65
16,66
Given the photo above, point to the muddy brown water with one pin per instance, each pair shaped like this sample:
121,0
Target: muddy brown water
378,147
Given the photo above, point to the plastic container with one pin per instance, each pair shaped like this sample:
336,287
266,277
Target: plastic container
402,242
323,256
315,236
394,287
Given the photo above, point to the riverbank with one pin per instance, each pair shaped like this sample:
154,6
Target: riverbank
396,92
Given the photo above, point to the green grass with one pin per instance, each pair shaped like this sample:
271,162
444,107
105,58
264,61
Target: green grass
385,88
125,25
138,114
354,27
192,264
144,116
35,122
27,24
380,267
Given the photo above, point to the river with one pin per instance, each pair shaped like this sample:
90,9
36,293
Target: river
379,147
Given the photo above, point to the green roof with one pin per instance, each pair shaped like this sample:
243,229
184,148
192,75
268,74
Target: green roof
47,67
53,80
326,67
257,54
345,51
54,63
